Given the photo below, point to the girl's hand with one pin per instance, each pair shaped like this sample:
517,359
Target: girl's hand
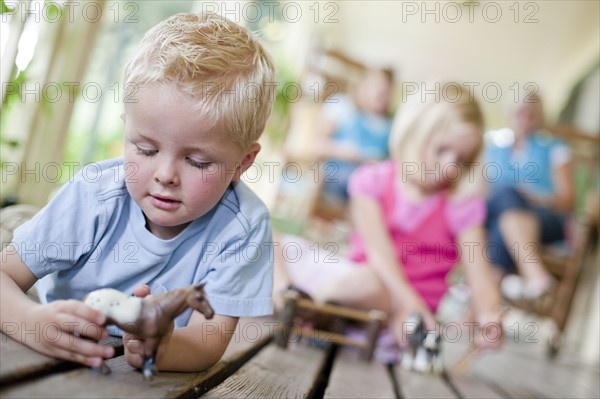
491,333
409,305
69,330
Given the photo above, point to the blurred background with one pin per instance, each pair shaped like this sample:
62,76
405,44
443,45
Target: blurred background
62,65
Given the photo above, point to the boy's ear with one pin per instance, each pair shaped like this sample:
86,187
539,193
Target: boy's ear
123,116
247,160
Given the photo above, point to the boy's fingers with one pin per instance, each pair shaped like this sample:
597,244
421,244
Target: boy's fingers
76,349
74,325
80,309
92,349
135,346
87,348
91,361
134,359
141,291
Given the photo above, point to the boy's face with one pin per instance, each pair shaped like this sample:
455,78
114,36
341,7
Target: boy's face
177,166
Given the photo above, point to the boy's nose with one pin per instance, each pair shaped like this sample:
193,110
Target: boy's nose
166,174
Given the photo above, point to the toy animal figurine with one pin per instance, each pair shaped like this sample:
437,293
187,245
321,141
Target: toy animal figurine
428,359
423,352
148,318
415,338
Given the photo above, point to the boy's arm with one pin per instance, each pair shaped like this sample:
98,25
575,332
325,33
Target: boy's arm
50,329
486,298
195,347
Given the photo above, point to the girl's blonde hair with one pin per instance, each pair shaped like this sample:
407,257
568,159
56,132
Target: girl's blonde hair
216,62
419,119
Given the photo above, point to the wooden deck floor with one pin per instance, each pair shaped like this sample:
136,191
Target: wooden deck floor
257,368
523,370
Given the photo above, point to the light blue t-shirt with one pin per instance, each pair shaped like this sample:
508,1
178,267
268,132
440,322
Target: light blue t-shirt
92,235
531,168
368,132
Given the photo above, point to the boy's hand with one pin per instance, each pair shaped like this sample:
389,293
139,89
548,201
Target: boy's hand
134,346
69,330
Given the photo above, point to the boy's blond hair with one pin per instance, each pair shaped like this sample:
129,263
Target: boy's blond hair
417,121
215,61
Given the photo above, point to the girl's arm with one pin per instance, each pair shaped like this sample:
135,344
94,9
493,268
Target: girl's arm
486,298
57,329
369,220
195,347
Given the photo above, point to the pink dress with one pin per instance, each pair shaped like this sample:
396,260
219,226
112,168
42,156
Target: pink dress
424,233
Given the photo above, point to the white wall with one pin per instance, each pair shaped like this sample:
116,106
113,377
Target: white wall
560,44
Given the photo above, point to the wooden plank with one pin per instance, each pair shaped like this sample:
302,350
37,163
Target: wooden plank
549,379
122,382
465,383
500,381
470,387
275,373
509,374
18,362
352,377
538,351
519,370
126,382
250,333
422,385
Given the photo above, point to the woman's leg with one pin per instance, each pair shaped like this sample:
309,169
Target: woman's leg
521,231
515,229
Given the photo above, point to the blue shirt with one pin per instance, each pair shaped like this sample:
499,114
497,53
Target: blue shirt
370,133
530,169
92,235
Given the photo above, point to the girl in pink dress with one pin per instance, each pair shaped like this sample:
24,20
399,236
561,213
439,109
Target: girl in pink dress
415,216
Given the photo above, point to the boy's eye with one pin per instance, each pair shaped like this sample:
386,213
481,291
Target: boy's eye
198,164
145,151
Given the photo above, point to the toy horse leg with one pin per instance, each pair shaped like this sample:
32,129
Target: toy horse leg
149,367
422,362
431,346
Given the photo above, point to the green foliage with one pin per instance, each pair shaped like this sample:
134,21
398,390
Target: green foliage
14,95
52,11
277,125
4,8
